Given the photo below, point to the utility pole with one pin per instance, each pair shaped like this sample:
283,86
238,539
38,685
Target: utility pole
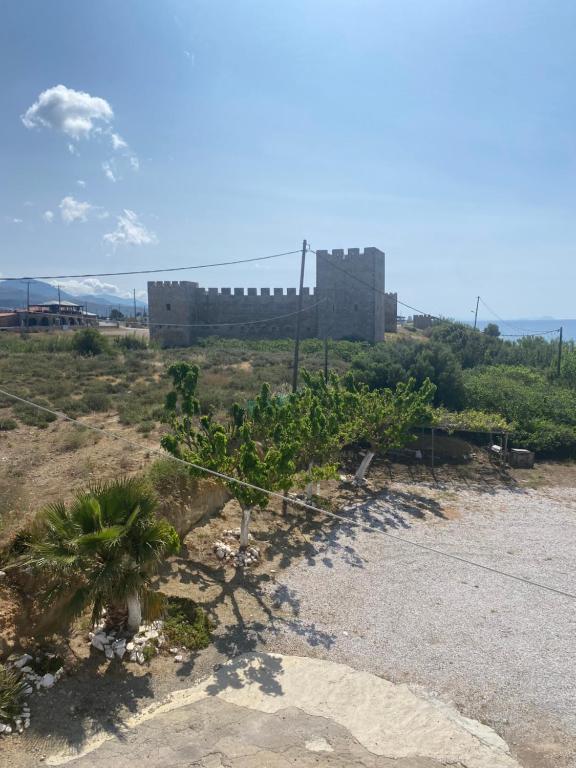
299,320
476,313
560,351
28,305
134,296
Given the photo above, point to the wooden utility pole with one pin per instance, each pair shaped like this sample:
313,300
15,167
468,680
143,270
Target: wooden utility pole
476,313
299,320
28,305
134,296
560,352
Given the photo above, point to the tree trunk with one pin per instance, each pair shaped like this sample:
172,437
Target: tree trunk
363,468
309,491
134,612
116,617
244,527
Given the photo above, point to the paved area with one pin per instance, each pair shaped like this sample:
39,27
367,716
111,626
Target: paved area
500,651
273,711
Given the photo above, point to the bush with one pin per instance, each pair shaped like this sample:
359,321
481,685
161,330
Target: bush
12,692
33,417
96,401
89,341
131,342
186,624
386,365
169,478
7,424
543,412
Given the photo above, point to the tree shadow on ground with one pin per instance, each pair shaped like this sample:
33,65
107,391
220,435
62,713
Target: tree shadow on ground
480,475
96,699
259,669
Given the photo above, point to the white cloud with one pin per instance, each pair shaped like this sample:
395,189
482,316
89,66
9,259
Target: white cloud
74,113
74,210
109,170
129,231
72,149
81,183
17,221
48,216
117,141
135,163
90,285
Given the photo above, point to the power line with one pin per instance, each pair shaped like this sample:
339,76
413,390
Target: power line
176,325
522,331
245,322
155,271
428,314
373,288
290,500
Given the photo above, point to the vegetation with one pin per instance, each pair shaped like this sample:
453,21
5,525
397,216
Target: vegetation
186,625
89,341
13,690
101,552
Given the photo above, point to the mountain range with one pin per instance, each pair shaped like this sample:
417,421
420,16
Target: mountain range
13,296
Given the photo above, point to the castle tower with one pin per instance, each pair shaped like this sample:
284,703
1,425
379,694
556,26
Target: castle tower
351,288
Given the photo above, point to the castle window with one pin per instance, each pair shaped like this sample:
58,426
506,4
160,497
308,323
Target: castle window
168,307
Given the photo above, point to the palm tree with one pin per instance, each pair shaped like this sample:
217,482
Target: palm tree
102,551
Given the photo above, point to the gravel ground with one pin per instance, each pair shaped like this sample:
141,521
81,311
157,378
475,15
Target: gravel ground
503,652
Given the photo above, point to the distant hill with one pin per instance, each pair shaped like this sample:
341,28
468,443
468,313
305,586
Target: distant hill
534,325
13,296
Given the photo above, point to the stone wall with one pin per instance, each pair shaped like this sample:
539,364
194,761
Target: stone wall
344,305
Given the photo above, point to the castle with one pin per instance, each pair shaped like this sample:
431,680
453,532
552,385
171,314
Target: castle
348,302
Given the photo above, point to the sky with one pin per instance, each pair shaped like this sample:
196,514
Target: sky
146,134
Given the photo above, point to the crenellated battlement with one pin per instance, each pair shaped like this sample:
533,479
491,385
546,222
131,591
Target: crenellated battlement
339,254
340,306
174,286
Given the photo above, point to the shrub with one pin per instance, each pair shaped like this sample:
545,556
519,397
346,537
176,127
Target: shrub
7,424
13,689
186,624
543,412
89,341
131,342
97,401
386,365
33,417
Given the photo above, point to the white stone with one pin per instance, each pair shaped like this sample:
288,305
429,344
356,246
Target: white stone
119,648
99,641
173,650
179,657
22,661
47,681
152,634
130,646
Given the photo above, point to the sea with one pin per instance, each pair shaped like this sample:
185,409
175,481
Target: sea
546,326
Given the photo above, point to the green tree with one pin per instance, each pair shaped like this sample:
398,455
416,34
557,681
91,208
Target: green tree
101,551
115,314
257,450
385,419
492,330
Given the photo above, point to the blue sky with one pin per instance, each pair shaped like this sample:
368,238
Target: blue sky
442,132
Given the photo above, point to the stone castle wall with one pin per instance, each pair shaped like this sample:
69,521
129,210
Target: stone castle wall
340,306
